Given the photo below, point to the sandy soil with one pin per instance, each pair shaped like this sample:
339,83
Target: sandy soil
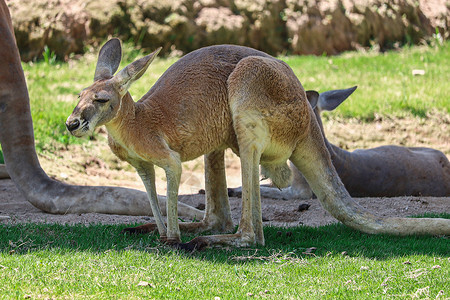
93,164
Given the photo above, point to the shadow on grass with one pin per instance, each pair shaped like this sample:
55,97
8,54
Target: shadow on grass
296,242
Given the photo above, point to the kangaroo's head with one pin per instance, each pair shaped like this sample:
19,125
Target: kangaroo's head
101,102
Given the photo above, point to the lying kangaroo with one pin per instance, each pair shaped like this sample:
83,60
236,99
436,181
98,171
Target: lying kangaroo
386,171
212,99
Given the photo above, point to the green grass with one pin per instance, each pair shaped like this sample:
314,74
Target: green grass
385,81
96,261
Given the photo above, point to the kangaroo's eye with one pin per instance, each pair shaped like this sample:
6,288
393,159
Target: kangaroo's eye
101,100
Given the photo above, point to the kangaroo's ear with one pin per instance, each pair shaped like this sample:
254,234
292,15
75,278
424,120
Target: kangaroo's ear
134,71
329,100
108,59
313,98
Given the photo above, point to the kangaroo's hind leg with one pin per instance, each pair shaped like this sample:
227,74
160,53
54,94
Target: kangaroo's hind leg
250,229
252,135
218,212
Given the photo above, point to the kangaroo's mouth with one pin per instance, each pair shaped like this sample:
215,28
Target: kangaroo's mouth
78,129
85,126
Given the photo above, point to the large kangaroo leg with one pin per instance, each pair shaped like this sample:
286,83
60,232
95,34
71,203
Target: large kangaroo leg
217,218
173,175
17,140
147,174
218,213
250,225
312,159
252,135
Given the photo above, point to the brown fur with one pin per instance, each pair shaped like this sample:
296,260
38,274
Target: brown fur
215,98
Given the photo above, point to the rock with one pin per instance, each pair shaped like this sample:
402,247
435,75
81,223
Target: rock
276,27
303,207
221,26
201,206
3,172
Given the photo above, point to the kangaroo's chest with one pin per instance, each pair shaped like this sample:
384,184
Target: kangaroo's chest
122,151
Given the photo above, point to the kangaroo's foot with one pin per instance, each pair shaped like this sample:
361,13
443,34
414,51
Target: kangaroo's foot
233,240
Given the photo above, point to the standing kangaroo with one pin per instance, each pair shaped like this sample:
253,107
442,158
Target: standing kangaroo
212,99
386,171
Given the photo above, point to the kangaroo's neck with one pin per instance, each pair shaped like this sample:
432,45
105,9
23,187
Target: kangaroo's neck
123,120
347,164
342,159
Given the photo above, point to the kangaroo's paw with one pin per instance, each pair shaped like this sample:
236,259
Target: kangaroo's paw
233,240
170,241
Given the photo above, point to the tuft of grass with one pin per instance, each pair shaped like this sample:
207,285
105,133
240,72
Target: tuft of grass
77,261
49,56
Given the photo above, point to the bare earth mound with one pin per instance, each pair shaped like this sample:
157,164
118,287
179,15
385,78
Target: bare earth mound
93,164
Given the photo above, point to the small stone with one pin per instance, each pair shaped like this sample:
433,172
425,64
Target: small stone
436,267
145,283
303,207
201,206
310,250
418,72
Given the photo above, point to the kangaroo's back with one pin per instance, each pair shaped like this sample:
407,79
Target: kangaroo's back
192,100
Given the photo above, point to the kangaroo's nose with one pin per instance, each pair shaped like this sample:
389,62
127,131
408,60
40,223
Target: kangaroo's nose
72,125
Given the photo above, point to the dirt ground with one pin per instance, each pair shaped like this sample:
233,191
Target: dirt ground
94,164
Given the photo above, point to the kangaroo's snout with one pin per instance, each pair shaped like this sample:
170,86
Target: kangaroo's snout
72,125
